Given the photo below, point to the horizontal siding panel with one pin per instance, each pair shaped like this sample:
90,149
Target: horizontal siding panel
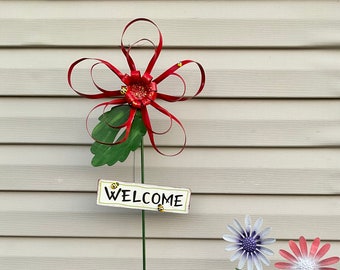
77,215
253,148
58,253
230,73
218,122
222,24
203,170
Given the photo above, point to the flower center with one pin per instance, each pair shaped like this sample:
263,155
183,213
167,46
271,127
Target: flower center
139,94
306,263
249,244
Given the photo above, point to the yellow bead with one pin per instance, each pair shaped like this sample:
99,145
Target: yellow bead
114,185
123,90
160,208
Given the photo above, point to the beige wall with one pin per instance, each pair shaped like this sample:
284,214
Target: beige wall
263,138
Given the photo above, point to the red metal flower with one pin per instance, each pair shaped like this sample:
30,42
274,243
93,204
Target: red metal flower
139,90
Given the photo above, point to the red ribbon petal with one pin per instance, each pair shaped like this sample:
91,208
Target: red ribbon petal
104,93
151,133
127,123
171,71
171,98
155,56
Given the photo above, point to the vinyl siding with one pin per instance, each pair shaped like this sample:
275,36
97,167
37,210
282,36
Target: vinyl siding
263,138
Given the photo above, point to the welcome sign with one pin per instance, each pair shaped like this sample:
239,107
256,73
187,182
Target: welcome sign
142,196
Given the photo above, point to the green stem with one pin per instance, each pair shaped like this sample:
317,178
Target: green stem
143,213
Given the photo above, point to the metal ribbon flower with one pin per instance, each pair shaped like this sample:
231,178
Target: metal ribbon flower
130,104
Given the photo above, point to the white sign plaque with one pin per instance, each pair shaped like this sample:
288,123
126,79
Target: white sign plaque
142,196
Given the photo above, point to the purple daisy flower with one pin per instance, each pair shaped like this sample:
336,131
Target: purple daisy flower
249,244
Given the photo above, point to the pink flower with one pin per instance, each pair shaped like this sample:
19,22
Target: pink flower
302,260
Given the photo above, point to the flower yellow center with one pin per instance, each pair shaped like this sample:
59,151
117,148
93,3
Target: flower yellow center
139,95
139,91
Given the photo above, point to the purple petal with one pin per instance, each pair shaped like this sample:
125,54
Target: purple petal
231,247
247,221
263,233
257,263
263,258
258,224
231,238
250,265
233,230
248,229
268,241
238,226
266,251
243,260
236,255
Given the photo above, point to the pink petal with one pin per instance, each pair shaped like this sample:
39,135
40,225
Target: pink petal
303,246
323,250
283,265
329,261
314,247
287,255
294,248
327,268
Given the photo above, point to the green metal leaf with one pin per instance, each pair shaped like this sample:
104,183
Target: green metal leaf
104,153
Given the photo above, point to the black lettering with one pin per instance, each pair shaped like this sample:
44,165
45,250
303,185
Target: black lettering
125,194
134,196
178,201
153,198
143,198
114,194
168,200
